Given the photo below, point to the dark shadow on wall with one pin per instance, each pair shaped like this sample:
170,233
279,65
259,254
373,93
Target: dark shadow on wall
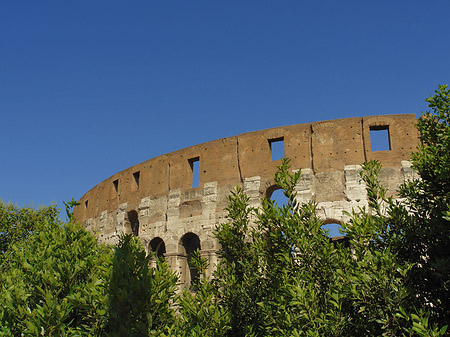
158,247
191,243
134,222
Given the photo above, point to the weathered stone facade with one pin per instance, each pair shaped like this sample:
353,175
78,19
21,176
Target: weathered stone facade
156,201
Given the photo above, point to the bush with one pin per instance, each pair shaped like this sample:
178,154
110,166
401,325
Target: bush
53,283
139,297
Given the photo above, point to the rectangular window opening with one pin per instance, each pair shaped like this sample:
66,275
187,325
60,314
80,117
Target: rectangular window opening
194,163
379,138
136,176
116,185
86,204
277,148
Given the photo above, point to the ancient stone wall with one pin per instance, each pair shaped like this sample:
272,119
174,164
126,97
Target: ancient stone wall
157,201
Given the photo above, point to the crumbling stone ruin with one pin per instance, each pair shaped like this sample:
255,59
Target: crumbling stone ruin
173,202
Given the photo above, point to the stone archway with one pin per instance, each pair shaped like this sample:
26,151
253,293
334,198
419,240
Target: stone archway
157,246
132,223
190,243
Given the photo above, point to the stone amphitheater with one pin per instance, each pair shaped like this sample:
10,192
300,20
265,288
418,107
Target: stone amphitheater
173,202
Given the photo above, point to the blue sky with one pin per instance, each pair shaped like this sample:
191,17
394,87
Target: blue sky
88,88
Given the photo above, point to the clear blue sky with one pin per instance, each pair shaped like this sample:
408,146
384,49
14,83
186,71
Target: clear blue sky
88,88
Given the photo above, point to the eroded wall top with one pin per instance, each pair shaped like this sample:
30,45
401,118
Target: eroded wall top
321,146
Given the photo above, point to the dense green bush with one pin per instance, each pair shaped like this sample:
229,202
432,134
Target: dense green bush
16,224
284,277
139,297
60,282
420,225
53,283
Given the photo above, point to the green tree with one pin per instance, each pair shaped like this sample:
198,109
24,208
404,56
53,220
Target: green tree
139,297
56,280
280,275
53,283
420,226
16,223
199,312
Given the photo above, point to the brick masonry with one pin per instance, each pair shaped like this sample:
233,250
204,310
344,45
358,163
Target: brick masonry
155,199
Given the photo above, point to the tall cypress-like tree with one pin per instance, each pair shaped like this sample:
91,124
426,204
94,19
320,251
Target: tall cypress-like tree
139,297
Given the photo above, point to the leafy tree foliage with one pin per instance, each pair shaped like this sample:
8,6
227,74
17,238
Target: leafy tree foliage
420,226
139,296
16,224
61,282
200,313
53,283
285,277
280,275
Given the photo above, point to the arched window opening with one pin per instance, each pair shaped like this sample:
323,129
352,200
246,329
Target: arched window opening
191,243
158,247
134,222
332,230
276,194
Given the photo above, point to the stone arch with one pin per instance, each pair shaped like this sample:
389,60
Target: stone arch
276,193
157,246
333,226
270,189
331,221
132,223
189,243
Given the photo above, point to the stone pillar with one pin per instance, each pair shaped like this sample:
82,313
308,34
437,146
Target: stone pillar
212,259
251,188
178,264
103,225
355,187
408,172
121,219
173,206
305,186
209,201
143,211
